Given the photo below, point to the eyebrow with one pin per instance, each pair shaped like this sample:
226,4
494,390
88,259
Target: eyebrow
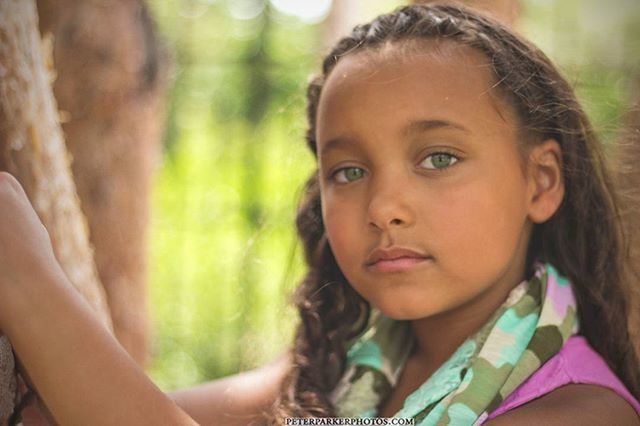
421,126
333,144
414,127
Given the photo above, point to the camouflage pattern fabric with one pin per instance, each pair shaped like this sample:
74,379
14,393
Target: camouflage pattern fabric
531,326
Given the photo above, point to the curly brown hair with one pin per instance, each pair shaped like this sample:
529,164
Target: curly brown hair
584,240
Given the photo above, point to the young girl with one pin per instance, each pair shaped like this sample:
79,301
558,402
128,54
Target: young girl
466,258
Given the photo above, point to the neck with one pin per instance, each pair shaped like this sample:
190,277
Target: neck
438,336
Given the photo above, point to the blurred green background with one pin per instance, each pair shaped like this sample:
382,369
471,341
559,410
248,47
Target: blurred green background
223,252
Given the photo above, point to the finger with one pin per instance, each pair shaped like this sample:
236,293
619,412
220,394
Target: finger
10,181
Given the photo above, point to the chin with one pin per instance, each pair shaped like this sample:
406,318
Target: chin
404,312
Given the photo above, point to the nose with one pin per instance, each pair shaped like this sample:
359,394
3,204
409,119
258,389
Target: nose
390,206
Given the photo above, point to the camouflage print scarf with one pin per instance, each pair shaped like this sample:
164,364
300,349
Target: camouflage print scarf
531,326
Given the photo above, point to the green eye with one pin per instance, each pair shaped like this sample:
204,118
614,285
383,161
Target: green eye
439,161
348,174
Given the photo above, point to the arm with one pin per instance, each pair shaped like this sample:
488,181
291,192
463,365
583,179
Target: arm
80,371
238,399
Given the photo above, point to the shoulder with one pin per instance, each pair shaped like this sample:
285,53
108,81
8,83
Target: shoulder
573,404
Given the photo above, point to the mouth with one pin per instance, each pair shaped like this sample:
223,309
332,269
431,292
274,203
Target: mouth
396,259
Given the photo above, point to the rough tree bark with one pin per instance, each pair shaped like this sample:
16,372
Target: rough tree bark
110,78
32,149
507,11
7,380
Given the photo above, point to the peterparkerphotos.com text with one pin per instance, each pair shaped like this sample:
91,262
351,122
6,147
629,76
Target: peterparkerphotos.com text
372,421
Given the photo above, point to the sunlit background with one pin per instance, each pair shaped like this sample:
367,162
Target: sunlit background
224,256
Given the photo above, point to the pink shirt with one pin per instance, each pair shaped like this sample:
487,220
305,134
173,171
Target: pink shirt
576,362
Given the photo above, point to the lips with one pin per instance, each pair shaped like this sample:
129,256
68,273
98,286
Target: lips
395,259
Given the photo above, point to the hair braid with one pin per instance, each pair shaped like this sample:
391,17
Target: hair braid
331,313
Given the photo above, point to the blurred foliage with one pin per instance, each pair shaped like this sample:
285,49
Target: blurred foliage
223,253
597,46
224,256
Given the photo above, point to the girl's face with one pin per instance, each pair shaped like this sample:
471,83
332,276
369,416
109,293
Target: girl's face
424,198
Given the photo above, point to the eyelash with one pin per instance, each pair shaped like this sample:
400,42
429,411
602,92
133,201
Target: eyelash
336,173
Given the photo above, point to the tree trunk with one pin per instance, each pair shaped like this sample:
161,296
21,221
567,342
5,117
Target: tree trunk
507,11
110,78
343,16
7,380
32,149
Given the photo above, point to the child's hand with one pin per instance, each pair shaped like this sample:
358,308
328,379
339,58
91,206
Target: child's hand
25,246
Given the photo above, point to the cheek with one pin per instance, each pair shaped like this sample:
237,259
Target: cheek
478,222
341,227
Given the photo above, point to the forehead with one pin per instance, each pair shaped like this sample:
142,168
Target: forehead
429,60
422,79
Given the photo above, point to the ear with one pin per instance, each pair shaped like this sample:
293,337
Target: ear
545,180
